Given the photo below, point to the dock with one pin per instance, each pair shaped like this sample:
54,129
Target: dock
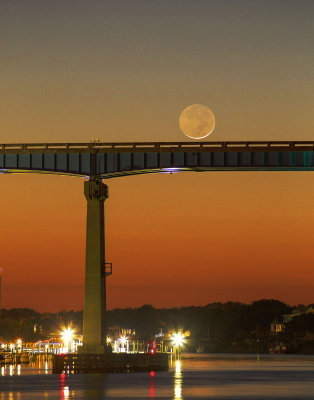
112,362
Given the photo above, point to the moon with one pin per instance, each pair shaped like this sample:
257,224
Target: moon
197,121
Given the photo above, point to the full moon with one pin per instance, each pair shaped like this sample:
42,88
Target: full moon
197,121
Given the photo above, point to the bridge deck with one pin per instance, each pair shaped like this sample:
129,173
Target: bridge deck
109,160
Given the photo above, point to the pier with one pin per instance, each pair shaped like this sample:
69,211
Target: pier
103,363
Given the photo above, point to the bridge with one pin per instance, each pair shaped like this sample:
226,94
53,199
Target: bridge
109,160
100,161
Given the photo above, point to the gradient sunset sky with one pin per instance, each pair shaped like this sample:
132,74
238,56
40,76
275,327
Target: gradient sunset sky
123,71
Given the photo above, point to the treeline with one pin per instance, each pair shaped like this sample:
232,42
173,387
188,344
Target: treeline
217,327
32,326
225,327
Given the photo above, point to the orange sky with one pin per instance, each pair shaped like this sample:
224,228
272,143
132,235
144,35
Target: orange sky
123,71
174,240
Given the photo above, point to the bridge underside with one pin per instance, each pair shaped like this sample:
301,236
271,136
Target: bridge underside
117,164
152,171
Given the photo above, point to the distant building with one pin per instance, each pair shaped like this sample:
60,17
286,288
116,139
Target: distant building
117,331
276,326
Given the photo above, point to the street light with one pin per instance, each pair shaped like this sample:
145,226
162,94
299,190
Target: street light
177,339
67,337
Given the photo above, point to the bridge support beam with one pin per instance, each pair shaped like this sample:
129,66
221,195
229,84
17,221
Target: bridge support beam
94,315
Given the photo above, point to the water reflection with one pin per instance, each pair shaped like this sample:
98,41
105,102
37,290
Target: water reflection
152,384
46,367
96,386
64,390
65,393
178,381
193,377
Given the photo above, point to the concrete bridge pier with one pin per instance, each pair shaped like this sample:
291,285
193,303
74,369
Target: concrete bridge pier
94,315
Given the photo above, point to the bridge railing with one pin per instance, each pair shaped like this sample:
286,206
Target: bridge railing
155,146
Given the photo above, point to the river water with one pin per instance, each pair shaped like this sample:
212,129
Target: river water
194,377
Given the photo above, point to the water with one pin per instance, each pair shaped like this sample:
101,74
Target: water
195,377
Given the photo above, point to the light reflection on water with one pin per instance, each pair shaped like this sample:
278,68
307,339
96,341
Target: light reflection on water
194,377
152,384
178,381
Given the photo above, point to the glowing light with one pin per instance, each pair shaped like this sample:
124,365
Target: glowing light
171,169
177,339
67,337
123,340
109,340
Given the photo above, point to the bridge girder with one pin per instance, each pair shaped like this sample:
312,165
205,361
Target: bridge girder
109,160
